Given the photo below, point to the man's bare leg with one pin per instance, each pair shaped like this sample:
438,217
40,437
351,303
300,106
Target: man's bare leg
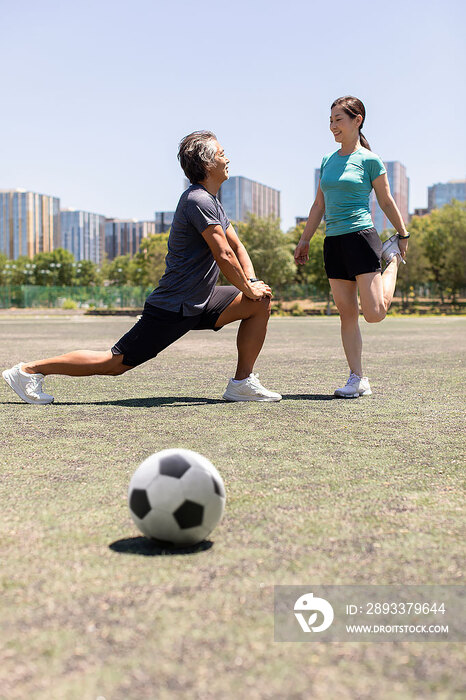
27,379
79,363
254,316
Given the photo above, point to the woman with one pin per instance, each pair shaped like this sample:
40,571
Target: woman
352,247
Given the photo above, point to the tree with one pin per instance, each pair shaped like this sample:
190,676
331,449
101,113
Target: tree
313,272
15,272
416,273
269,249
54,268
3,270
455,218
445,247
85,273
119,270
148,264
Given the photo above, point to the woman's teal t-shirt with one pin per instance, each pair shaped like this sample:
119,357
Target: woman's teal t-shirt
346,183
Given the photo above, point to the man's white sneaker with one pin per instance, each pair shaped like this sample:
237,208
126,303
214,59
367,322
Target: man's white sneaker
249,389
391,248
355,386
29,387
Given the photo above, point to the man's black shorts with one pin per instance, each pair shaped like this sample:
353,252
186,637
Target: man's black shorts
352,254
157,328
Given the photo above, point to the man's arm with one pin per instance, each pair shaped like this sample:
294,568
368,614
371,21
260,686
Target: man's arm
240,252
229,264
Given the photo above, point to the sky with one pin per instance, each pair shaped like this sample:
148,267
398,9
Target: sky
96,95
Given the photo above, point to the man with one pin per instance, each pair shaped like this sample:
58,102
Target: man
201,242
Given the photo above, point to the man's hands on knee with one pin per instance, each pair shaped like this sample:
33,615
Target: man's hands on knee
259,290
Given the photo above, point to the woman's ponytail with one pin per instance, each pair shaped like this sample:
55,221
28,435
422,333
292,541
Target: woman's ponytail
364,141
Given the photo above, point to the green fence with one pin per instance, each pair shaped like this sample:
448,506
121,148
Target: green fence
28,296
298,291
110,297
126,297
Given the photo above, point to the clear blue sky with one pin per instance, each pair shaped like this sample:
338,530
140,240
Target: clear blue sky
96,95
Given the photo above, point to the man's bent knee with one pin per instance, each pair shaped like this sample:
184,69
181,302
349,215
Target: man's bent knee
265,306
261,307
120,370
115,366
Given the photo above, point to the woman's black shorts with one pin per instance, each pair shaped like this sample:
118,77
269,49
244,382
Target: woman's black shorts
352,254
158,328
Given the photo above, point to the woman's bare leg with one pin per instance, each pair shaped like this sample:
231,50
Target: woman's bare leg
345,295
376,291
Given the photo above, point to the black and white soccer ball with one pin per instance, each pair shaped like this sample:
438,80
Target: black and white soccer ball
177,497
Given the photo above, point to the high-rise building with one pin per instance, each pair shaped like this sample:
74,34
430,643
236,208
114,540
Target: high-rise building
163,221
123,236
83,234
444,192
399,187
241,196
29,223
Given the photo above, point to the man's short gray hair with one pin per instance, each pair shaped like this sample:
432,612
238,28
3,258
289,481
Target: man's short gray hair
196,152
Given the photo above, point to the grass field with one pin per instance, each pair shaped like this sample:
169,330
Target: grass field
319,491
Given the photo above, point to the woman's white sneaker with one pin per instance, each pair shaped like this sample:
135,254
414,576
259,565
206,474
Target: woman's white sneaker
391,248
249,389
29,387
355,386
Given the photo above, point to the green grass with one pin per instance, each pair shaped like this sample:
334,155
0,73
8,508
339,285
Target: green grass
319,491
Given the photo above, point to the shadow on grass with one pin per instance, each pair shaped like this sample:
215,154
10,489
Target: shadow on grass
308,397
146,402
153,548
159,401
152,401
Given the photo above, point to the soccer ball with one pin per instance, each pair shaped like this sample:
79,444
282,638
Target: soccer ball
177,497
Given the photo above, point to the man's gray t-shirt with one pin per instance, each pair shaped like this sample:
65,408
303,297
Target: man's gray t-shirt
191,272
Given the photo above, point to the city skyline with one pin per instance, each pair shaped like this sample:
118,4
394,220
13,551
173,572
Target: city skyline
396,173
101,127
404,204
32,222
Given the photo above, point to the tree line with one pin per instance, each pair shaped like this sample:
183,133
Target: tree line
436,259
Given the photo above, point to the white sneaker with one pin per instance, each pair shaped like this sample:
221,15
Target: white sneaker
355,386
29,387
391,248
249,389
